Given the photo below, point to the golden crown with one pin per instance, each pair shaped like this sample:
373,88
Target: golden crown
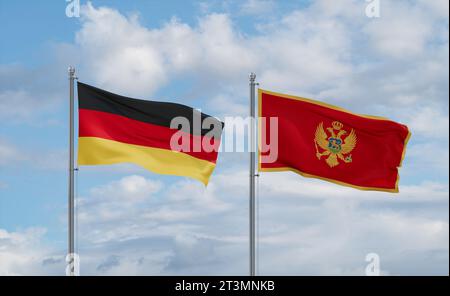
337,125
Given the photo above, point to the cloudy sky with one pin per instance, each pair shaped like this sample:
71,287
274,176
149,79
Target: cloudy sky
199,53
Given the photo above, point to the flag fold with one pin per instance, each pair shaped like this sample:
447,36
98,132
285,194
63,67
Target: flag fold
116,129
322,141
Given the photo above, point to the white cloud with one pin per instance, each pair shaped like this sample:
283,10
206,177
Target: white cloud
198,195
428,122
118,51
306,226
324,57
440,8
144,59
12,104
13,155
402,31
135,188
429,156
228,105
116,200
24,253
9,153
27,94
294,53
322,244
257,7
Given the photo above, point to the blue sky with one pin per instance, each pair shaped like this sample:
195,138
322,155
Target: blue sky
199,53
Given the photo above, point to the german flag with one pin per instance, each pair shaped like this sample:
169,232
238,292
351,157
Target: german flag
116,129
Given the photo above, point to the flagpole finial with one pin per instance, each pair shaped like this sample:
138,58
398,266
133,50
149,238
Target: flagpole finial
252,77
71,71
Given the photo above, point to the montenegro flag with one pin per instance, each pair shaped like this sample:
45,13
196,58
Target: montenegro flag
322,141
116,129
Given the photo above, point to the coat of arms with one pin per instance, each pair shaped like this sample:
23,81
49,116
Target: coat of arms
334,145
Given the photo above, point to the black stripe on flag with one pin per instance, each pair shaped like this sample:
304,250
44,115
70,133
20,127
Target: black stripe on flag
159,113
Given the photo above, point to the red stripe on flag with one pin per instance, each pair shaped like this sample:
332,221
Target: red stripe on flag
123,129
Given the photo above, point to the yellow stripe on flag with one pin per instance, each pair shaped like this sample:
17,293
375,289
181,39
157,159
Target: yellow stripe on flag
98,151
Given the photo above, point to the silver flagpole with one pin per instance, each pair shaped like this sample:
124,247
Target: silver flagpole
252,207
71,247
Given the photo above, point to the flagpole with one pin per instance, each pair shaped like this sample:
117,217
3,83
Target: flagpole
71,201
252,175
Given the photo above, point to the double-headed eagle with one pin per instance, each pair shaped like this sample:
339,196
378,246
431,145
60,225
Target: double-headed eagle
335,147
